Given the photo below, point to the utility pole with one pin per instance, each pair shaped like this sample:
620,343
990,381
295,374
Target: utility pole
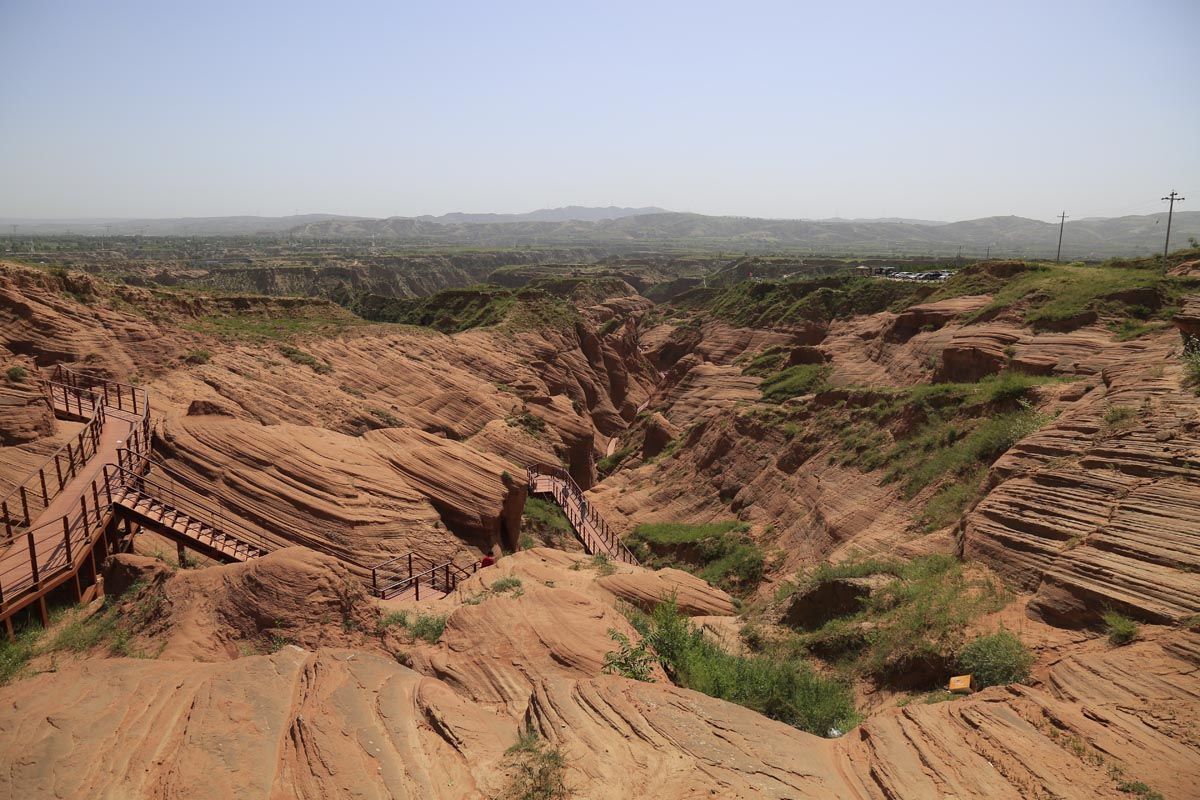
1174,198
1062,223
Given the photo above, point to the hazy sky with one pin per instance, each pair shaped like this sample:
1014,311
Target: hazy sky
930,110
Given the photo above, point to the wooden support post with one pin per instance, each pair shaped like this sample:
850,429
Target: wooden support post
67,538
58,471
33,566
25,505
181,554
418,589
70,460
7,521
96,501
43,612
42,478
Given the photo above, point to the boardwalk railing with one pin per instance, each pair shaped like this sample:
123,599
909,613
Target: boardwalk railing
33,495
589,526
410,571
40,551
41,558
160,500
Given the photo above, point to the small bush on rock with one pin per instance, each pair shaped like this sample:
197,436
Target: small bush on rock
1121,629
996,660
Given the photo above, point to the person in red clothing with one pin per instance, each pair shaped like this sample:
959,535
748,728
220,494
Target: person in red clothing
487,561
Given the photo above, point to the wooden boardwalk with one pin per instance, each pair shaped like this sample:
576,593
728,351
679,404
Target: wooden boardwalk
62,521
593,532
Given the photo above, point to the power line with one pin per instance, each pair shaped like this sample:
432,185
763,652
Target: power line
1062,223
1173,197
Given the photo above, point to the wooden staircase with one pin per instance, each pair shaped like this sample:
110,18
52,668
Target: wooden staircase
597,538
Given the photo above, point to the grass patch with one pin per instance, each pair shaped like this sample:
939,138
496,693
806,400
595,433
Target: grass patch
15,653
1139,789
386,418
198,357
767,303
783,689
298,356
947,447
1117,417
795,381
16,373
262,327
995,660
608,464
1120,628
457,310
528,422
720,553
508,584
391,620
599,562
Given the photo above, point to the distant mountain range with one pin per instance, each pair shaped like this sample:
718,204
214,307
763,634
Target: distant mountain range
997,236
650,228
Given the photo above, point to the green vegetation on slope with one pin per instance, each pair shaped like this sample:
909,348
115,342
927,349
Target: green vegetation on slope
456,310
1129,292
765,304
785,689
795,381
946,433
720,553
911,628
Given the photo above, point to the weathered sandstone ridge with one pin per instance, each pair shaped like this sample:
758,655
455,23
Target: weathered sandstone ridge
1099,509
321,722
366,444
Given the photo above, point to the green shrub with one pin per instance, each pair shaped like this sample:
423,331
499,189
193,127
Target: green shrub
391,619
531,423
1121,629
1140,789
428,627
16,373
1191,363
784,689
631,661
386,418
1118,416
916,620
606,465
994,660
539,770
